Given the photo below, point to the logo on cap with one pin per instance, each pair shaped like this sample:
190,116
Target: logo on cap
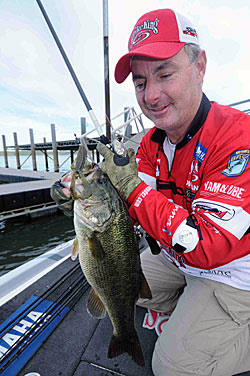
190,31
143,31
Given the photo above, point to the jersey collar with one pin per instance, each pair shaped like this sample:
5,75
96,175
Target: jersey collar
159,135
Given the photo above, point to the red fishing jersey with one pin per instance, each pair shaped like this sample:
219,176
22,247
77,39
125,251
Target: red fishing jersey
195,196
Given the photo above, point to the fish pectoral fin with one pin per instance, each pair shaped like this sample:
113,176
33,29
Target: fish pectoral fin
96,248
145,291
95,306
75,249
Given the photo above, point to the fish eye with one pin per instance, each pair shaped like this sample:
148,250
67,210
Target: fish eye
101,180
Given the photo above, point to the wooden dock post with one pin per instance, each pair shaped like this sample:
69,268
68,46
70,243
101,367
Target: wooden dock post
33,149
83,125
54,147
18,164
71,156
5,152
46,156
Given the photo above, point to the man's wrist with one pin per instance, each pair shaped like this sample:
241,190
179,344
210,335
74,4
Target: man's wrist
128,187
136,192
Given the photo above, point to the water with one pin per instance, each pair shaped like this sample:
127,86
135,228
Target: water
21,241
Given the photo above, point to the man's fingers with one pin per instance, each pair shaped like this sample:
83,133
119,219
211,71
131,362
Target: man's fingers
58,192
67,177
67,192
131,152
103,150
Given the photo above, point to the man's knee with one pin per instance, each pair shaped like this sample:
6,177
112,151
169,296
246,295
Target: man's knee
165,364
158,367
176,361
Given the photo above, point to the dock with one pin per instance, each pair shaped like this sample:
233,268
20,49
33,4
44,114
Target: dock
26,193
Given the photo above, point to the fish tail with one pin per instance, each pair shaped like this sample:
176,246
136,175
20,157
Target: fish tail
130,345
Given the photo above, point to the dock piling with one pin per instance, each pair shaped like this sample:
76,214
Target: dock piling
5,152
33,149
54,147
46,156
18,164
83,125
71,156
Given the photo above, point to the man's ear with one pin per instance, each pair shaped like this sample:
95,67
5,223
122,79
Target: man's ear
201,66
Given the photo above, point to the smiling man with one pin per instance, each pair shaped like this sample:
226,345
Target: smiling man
192,194
190,191
159,90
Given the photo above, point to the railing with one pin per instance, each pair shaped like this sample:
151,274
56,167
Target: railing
240,103
130,124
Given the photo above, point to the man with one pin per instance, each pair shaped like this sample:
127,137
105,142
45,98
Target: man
192,194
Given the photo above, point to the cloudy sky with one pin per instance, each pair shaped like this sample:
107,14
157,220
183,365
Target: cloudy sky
37,90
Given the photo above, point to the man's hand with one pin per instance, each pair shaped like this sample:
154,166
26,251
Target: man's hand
124,178
62,195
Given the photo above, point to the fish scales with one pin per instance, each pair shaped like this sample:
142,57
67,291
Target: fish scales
108,253
121,260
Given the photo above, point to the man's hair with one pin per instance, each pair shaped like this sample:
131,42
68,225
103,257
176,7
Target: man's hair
193,51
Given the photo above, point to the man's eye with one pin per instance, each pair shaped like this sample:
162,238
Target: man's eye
139,86
167,75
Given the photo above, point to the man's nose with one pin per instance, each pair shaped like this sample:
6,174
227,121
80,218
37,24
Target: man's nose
152,93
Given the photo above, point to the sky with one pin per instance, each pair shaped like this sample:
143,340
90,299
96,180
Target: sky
37,90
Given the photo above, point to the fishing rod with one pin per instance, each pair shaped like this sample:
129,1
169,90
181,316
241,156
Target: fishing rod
92,115
121,157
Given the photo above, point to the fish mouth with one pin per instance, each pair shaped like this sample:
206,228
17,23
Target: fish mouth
90,170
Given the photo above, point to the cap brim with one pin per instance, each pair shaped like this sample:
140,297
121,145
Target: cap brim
157,50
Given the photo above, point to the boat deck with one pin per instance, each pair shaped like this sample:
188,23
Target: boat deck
79,345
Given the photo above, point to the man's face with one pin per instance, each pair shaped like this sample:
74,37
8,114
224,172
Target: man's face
169,91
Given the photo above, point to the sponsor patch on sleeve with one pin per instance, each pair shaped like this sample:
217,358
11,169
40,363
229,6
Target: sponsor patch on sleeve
233,219
237,163
141,196
200,153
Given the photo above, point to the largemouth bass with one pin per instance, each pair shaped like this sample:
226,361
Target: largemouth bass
108,253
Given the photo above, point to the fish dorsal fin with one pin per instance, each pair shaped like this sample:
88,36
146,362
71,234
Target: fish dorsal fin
95,306
75,249
96,248
145,291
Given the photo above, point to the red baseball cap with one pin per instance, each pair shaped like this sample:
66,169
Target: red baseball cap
159,34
